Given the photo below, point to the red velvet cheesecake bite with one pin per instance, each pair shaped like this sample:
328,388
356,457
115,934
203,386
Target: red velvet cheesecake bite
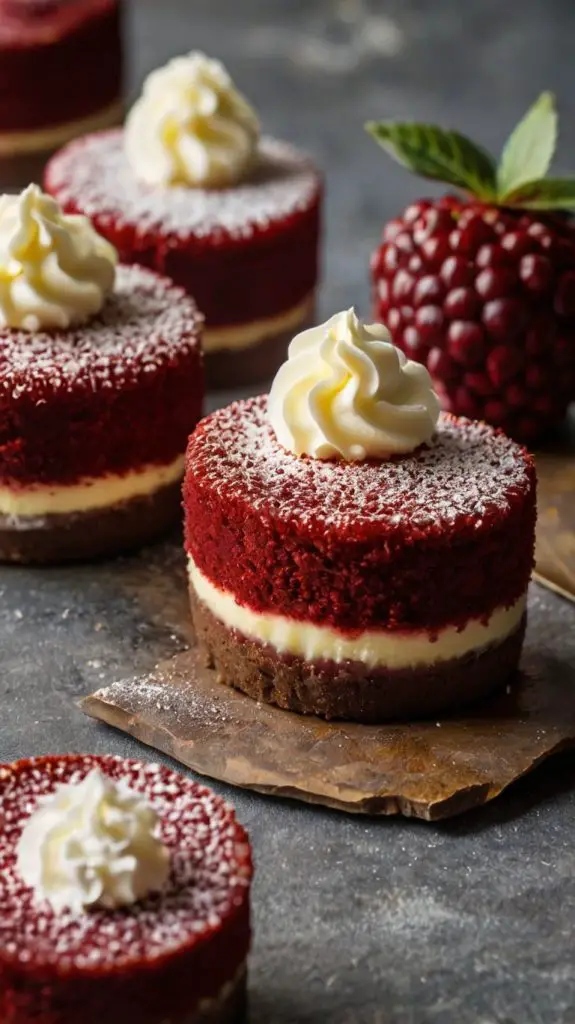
124,896
101,383
191,190
353,553
60,72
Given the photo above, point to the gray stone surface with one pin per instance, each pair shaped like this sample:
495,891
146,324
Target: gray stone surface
357,922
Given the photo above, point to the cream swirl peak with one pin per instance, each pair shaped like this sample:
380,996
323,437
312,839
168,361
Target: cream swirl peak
93,844
191,126
55,269
347,392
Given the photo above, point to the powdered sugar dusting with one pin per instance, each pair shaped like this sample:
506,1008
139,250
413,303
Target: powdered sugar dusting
211,872
145,324
93,175
174,697
468,471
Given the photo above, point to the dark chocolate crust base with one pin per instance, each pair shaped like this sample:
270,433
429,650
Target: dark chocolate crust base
229,368
344,690
81,536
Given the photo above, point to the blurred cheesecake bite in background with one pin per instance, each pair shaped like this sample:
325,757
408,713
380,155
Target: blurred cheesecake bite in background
60,75
192,190
101,383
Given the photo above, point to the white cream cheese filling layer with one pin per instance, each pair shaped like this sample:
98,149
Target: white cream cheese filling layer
375,648
89,493
240,336
40,139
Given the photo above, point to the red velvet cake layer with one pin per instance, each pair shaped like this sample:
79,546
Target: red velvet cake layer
113,395
424,541
59,61
151,962
245,253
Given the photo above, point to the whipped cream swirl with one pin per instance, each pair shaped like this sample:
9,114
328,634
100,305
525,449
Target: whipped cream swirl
55,269
347,392
191,126
93,844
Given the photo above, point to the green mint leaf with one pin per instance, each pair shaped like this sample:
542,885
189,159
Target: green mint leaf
529,150
438,154
544,194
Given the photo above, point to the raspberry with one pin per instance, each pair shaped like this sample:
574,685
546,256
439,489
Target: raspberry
536,272
496,410
465,343
457,272
472,235
493,316
390,258
479,287
466,400
404,242
492,256
565,295
504,319
541,335
517,243
415,211
502,365
516,397
495,282
429,321
402,287
441,366
564,352
428,289
391,229
462,304
479,383
537,377
434,251
393,320
413,344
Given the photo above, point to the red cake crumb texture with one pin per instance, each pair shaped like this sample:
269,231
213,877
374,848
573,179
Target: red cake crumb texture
425,541
214,243
150,962
59,61
116,394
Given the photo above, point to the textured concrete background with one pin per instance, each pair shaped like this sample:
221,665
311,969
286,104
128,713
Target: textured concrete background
358,922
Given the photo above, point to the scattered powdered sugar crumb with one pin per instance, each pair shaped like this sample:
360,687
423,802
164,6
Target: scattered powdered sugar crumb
93,175
211,871
167,692
467,470
145,324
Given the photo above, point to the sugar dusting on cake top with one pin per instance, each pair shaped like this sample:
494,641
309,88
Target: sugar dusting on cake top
93,176
210,860
467,471
145,324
